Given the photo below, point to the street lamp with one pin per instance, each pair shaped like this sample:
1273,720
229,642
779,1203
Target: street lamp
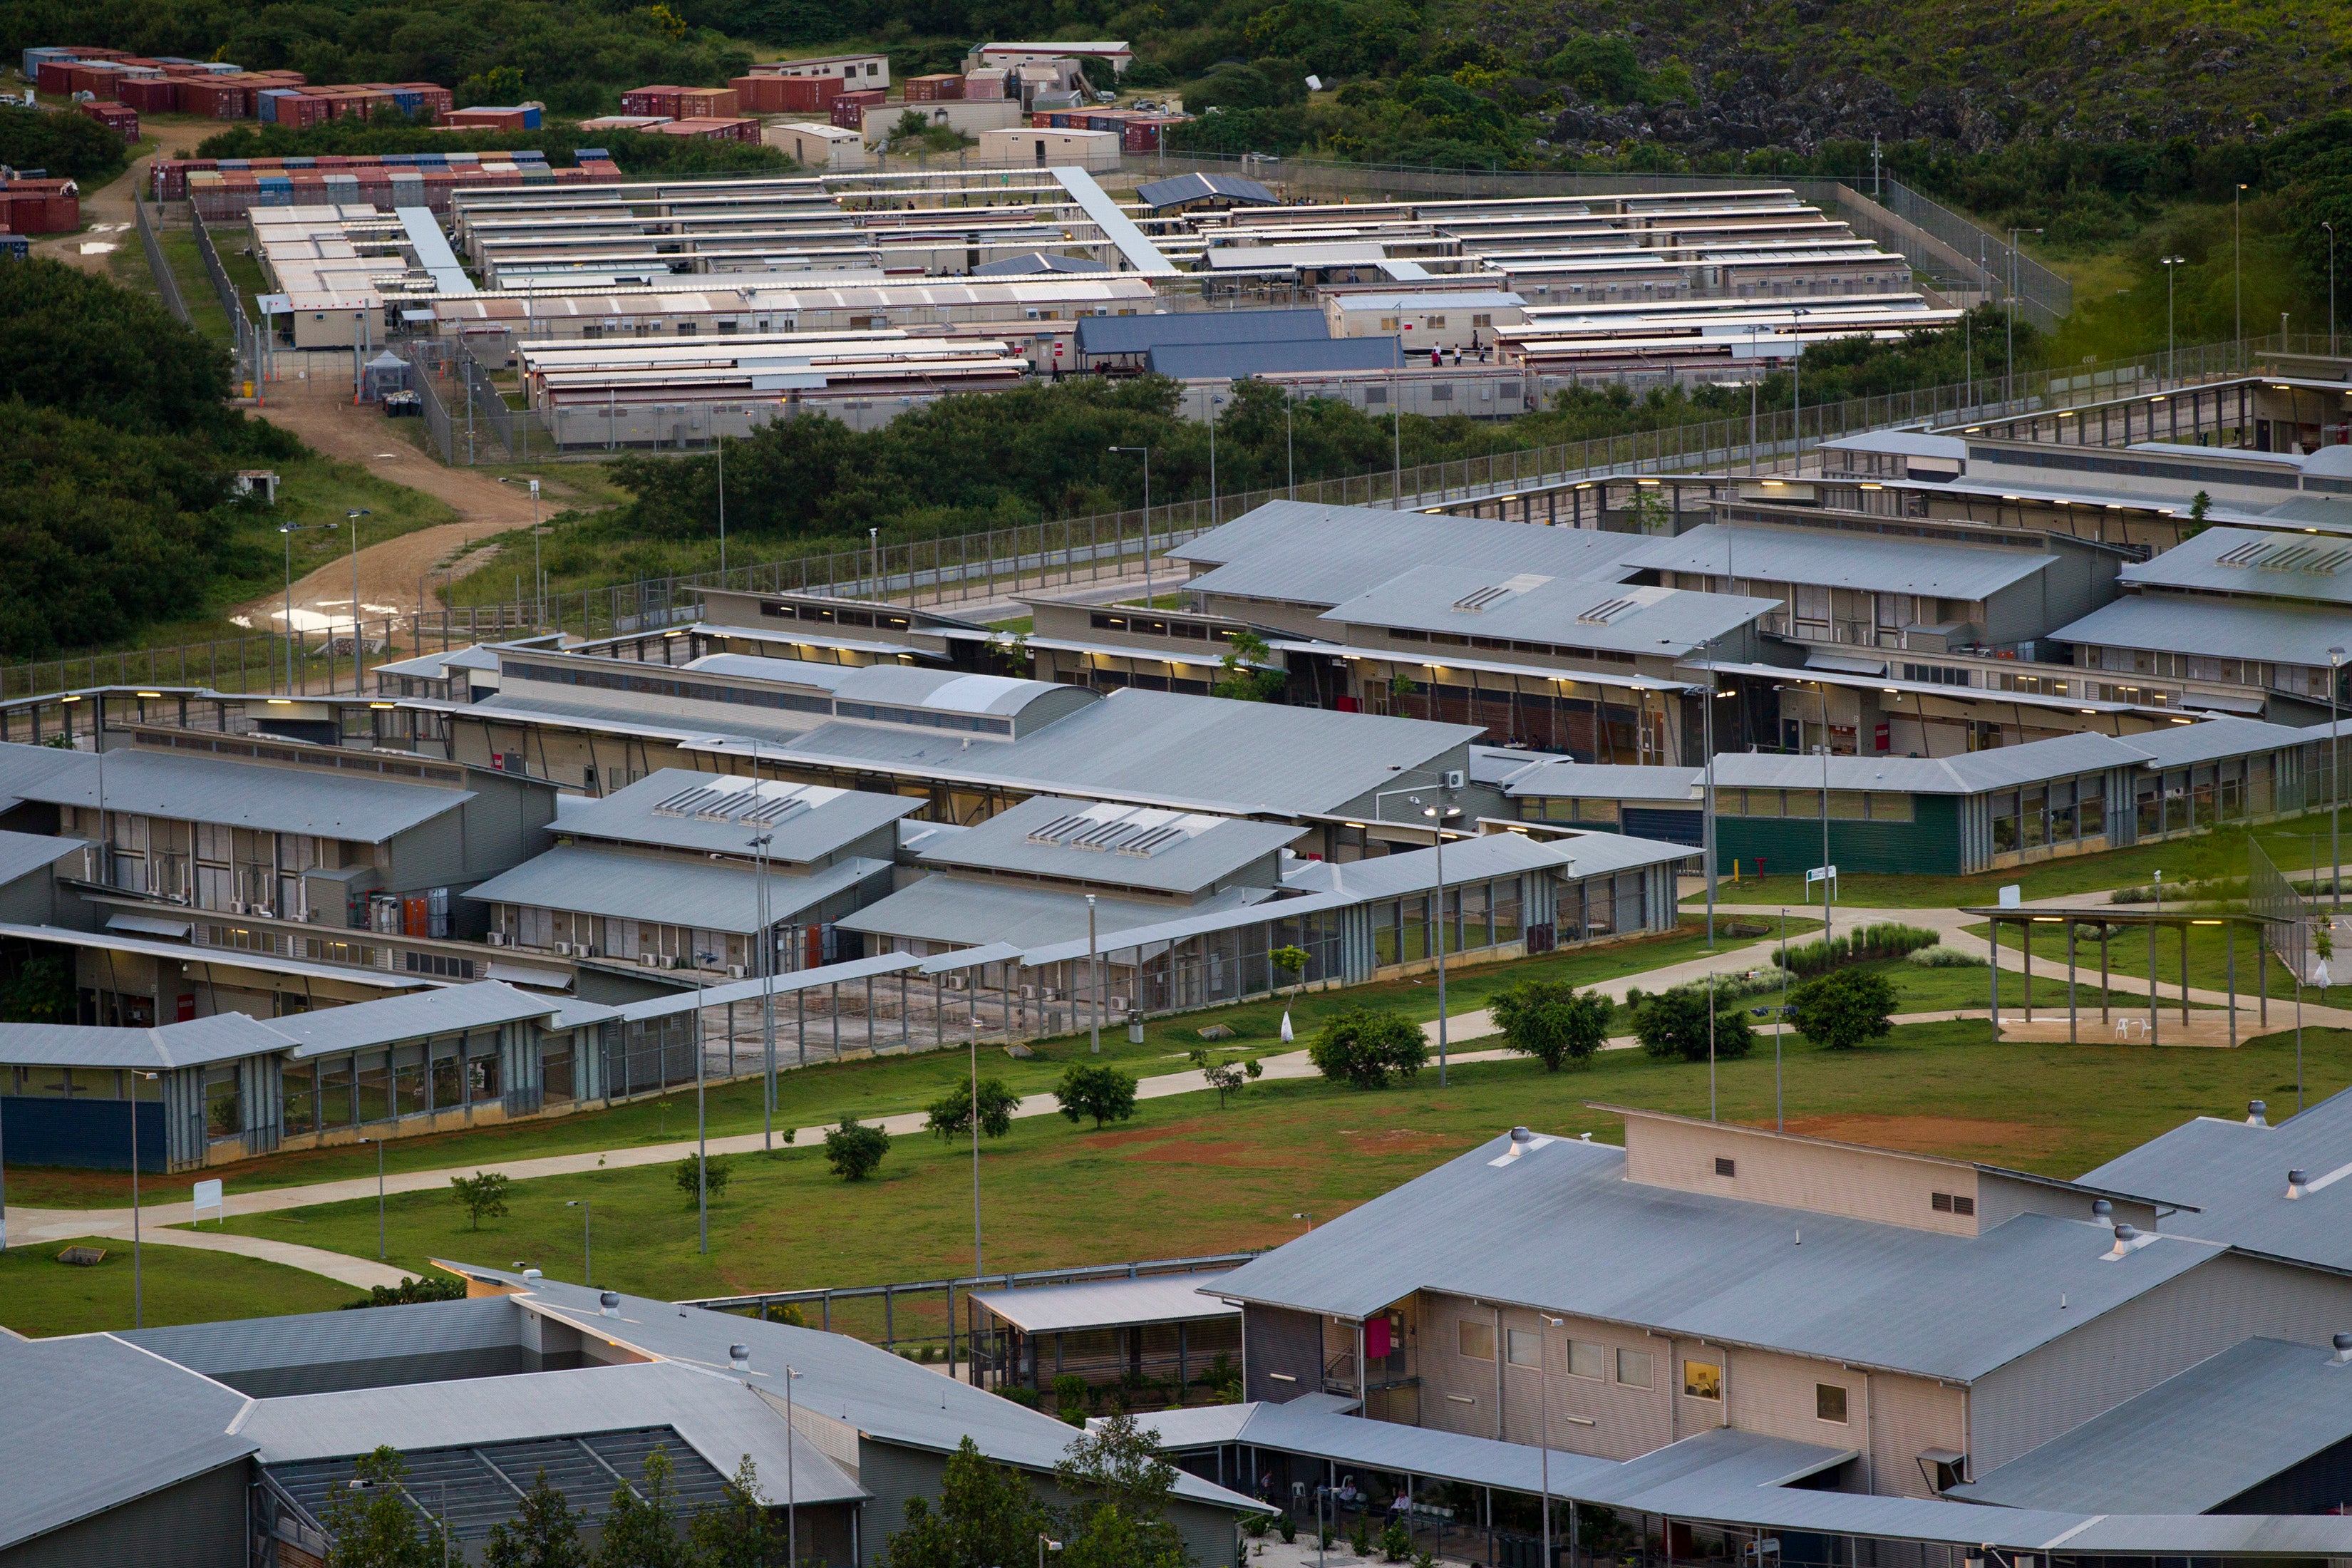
2171,370
1307,1215
1289,447
1543,1428
1045,1544
587,1237
759,847
1796,391
138,1294
1439,815
2334,775
2237,252
701,1121
723,510
2009,357
1824,749
289,529
1094,985
2331,286
1147,518
792,1491
357,661
1215,403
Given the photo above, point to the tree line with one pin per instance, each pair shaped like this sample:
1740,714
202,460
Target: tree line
639,154
62,143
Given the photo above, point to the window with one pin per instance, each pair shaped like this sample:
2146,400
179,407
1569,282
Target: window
1724,1167
1482,319
1586,1359
1952,1203
1525,1347
1475,1341
1391,324
1633,1369
1702,1380
1886,806
1436,323
1829,1401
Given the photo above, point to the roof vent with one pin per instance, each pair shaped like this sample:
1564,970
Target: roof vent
1523,1142
609,1303
532,1274
739,1358
2129,1240
2257,1113
2343,1349
1601,614
2102,1209
2296,1182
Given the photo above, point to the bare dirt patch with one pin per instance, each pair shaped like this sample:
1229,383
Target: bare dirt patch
1934,1135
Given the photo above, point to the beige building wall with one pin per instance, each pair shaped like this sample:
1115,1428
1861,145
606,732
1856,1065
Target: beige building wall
1877,1184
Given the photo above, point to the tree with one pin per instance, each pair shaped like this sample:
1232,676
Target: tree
987,1513
1242,680
1226,1078
712,1177
1843,1008
1367,1047
1104,1093
950,1114
736,1532
1675,1024
410,1290
545,1533
854,1150
42,993
481,1195
1122,1485
1553,1022
1290,961
639,1531
370,1524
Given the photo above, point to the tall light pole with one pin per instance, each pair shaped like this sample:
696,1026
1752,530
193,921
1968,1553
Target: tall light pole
1796,391
759,847
2331,286
138,1293
2237,257
287,531
1215,403
1824,749
722,510
975,1135
2171,368
2335,774
1438,815
587,1237
1145,451
792,1490
702,1120
1094,985
2008,356
1707,729
353,519
379,1200
1290,446
1543,1426
1755,376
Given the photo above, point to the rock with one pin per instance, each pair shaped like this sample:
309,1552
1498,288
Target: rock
1216,1032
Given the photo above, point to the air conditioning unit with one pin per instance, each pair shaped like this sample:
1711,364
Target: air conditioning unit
496,939
734,971
564,948
1028,994
1455,778
236,906
1119,1003
650,960
584,950
957,983
674,962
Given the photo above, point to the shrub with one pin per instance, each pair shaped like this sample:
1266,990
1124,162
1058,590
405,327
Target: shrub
950,1114
1843,1009
1289,1527
409,1291
854,1150
1860,946
1396,1542
1553,1022
713,1173
481,1195
1104,1093
1942,957
1675,1024
1368,1046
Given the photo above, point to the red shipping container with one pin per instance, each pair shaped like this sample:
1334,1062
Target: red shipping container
52,76
159,95
652,100
489,119
849,108
216,99
707,104
115,117
710,129
934,88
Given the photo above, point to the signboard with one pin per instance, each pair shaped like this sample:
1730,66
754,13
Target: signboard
208,1196
2014,896
1821,874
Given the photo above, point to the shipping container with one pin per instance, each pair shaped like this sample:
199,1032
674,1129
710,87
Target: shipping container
119,117
662,100
934,88
711,129
849,108
707,104
159,95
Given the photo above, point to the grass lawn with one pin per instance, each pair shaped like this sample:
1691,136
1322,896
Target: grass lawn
40,1296
2296,845
1184,1177
879,1086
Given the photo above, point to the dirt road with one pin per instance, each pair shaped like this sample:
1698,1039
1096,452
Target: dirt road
108,222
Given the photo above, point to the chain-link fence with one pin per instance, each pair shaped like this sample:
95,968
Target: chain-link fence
150,242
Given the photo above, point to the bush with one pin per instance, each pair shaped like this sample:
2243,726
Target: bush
713,1178
854,1150
1289,1527
1860,946
410,1291
950,1114
1104,1093
1942,957
1553,1022
483,1194
1843,1009
1367,1047
1675,1024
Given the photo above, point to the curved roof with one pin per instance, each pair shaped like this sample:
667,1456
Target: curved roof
943,691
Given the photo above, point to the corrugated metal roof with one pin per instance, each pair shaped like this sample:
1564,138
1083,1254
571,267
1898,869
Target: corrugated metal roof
718,1416
736,991
1607,782
2236,1175
209,789
1564,611
1233,362
1135,247
804,672
223,1037
2191,1443
1141,334
22,854
1177,189
233,1346
1302,554
829,819
700,893
943,691
94,1424
1109,1304
2215,629
1969,773
2252,561
1192,850
482,1005
1872,562
2181,745
1440,299
966,911
1562,1229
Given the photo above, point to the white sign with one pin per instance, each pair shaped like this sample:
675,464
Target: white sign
208,1196
1821,874
2012,896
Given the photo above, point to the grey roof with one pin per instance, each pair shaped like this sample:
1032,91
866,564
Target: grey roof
2191,1443
209,789
484,1004
1109,1304
943,691
1873,562
1303,554
1035,262
705,894
1177,189
1233,362
1141,334
2179,744
1500,764
225,1036
2236,1175
2252,561
1909,443
883,1396
2216,628
1970,773
1169,748
824,820
1561,1229
22,854
233,1346
1192,850
753,990
162,1425
1432,299
1609,781
1533,606
966,911
806,672
719,1417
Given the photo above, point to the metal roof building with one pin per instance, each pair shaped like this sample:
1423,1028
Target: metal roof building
1555,611
1075,842
333,804
2212,628
1842,560
2252,563
652,890
719,813
1181,189
1103,337
1236,361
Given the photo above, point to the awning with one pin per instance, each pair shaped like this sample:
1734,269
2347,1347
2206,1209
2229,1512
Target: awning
149,925
1847,663
516,974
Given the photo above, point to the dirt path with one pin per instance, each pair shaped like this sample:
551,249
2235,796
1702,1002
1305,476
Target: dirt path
107,219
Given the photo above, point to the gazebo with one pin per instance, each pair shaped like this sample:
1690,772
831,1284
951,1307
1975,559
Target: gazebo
2107,916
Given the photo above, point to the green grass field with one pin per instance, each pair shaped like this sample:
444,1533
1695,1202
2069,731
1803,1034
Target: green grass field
40,1296
1185,1177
